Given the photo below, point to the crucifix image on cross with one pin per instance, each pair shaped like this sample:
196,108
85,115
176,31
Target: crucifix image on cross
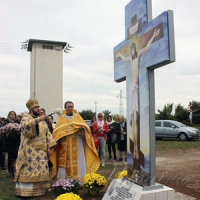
134,60
146,47
191,111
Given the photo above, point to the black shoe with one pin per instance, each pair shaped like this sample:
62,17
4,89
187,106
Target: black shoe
119,160
115,158
4,167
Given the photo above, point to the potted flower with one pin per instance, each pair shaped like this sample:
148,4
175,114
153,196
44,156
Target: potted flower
69,196
63,186
10,136
93,183
121,174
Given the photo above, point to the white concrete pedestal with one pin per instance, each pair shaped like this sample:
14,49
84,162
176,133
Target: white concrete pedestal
126,190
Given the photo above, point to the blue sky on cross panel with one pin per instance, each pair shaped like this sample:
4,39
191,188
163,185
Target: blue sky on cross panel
93,28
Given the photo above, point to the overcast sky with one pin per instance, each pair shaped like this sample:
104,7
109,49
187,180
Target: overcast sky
93,28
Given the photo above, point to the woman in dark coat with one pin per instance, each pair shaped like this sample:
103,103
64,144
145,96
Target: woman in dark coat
13,145
93,119
122,138
112,137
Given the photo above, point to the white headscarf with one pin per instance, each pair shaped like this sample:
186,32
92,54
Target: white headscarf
100,123
111,122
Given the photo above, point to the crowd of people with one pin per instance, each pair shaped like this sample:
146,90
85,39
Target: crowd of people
66,147
11,149
111,133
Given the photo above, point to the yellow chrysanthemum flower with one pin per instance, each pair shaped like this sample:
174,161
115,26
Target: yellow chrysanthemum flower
94,181
121,174
68,196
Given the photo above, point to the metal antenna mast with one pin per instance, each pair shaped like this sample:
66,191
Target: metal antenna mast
121,95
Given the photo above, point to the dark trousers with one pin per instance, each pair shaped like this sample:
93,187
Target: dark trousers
12,156
2,159
111,146
2,155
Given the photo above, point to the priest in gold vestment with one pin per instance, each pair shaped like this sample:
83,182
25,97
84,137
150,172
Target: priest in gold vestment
32,171
75,153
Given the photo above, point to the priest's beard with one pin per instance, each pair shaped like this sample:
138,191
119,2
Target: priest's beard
36,114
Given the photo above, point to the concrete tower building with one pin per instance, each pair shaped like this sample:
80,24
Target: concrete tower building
46,73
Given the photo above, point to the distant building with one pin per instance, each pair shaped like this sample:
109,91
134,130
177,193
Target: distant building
46,73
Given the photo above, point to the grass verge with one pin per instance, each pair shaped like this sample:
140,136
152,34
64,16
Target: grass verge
165,144
7,185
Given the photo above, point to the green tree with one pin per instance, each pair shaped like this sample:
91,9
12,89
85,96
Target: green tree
166,113
87,114
106,113
181,114
115,117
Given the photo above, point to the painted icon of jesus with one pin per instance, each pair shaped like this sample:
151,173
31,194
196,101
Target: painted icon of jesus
134,60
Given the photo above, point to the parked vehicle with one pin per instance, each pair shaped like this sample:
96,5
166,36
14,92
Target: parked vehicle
174,129
88,122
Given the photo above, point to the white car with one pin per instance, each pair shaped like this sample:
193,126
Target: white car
174,129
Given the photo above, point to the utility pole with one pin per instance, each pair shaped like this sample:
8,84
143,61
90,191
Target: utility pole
95,107
120,95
